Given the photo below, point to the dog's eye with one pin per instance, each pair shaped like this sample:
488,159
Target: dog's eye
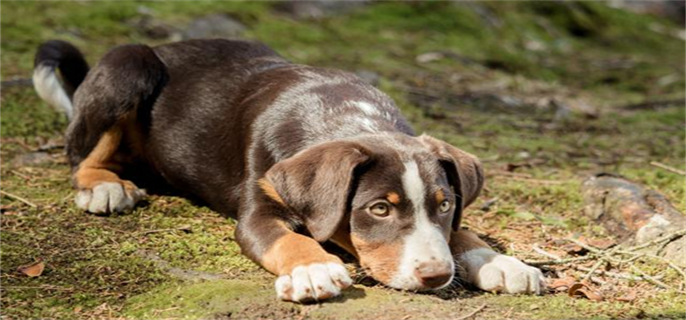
379,209
445,206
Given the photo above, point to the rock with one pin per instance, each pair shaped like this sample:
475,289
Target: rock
154,29
370,77
214,26
634,214
317,9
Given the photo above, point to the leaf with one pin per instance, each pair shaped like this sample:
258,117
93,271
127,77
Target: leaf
562,284
582,290
33,269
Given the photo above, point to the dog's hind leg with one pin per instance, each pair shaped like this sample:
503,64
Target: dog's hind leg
111,115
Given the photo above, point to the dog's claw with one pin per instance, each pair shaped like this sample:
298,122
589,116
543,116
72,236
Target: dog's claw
314,282
108,197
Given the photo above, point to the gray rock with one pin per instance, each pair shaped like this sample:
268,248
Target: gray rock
214,26
632,213
317,9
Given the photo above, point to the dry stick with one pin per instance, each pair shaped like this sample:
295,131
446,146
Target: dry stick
652,279
18,198
542,252
556,261
182,228
668,168
472,313
539,181
594,268
614,274
669,237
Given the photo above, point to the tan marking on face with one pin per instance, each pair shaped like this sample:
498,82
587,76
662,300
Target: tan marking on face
293,250
380,259
270,191
463,240
440,196
393,198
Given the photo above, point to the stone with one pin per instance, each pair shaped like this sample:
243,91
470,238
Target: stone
214,26
317,9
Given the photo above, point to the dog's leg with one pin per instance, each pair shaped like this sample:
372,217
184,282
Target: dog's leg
100,188
306,272
111,107
478,264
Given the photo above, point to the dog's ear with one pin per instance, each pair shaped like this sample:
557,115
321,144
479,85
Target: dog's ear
463,170
316,184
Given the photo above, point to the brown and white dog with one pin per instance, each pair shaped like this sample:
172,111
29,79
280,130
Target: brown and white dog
299,155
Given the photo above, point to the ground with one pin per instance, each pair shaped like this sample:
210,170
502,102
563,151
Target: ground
546,94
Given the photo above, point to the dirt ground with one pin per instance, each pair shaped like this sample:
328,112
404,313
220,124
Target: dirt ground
546,94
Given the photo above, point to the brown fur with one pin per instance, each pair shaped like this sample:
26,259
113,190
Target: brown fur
294,250
383,258
464,240
98,166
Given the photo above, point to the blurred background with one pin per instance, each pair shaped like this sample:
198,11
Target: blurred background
546,93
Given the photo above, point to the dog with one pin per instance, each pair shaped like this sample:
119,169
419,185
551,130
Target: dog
298,155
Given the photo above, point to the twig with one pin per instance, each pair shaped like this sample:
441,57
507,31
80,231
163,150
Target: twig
651,279
44,287
542,252
594,268
668,168
472,313
539,181
18,198
182,228
614,274
558,261
668,238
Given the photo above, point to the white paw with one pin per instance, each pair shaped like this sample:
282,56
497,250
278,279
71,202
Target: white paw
314,282
108,197
491,271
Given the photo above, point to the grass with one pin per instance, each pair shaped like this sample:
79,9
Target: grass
98,267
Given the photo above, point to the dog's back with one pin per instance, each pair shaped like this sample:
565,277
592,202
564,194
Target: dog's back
231,101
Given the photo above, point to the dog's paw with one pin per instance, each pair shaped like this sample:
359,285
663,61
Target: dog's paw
314,282
108,197
491,271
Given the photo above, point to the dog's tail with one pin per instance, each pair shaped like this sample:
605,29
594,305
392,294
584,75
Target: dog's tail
58,90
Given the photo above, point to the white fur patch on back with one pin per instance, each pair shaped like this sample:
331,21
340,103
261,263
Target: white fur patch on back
367,108
426,243
49,88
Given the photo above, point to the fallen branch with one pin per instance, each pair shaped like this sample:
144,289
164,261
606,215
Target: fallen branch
557,262
18,198
542,252
668,168
181,228
617,275
471,314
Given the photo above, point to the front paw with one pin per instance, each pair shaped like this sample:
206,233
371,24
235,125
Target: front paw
314,282
491,271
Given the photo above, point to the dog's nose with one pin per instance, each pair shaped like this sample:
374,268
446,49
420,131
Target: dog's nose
433,274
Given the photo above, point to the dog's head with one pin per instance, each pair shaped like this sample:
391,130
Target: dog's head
390,200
